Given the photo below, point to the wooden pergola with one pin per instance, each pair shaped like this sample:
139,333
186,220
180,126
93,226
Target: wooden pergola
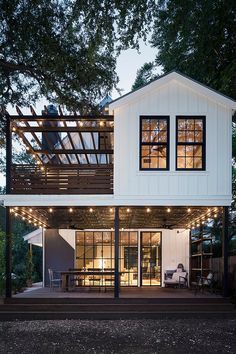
71,154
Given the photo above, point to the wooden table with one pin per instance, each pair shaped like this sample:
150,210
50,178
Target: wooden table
65,276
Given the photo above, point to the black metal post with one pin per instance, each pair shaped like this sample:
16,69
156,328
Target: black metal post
225,246
117,236
8,247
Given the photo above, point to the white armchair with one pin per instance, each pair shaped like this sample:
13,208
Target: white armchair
178,280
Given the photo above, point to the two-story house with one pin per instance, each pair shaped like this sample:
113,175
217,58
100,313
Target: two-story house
122,192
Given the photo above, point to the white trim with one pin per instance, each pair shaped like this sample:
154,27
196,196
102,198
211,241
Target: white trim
43,242
121,200
174,76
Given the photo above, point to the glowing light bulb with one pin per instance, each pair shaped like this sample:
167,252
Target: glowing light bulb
168,210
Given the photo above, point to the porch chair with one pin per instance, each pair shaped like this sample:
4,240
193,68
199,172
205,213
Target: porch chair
54,279
179,280
205,283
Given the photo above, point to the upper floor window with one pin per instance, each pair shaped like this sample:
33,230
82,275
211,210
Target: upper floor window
154,143
190,143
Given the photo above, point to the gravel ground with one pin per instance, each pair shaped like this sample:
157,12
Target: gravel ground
120,336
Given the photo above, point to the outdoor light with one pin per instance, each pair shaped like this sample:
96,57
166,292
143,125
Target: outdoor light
42,168
168,210
16,208
148,210
13,129
122,229
111,210
81,124
198,225
112,229
71,210
50,210
23,218
203,222
38,163
101,124
40,122
31,210
16,214
128,210
90,210
189,210
215,215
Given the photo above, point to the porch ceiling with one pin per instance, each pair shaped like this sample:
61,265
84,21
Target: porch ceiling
103,217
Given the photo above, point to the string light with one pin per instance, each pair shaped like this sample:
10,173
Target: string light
13,129
215,215
128,210
168,210
42,168
31,210
101,124
50,210
81,124
148,210
40,122
90,210
71,210
189,210
111,210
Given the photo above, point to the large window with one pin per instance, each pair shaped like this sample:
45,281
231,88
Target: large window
154,143
190,143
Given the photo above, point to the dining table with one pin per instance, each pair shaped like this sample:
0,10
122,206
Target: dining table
65,275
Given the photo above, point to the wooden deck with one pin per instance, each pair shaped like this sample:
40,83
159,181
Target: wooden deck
37,291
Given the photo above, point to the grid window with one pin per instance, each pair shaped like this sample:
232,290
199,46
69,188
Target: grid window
154,143
190,143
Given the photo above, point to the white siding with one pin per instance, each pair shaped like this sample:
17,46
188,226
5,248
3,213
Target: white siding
210,187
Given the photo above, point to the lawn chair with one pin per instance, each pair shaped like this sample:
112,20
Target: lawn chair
205,283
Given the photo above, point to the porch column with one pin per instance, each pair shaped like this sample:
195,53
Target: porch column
117,235
8,246
225,246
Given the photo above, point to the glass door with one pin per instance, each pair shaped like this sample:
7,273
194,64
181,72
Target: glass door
150,258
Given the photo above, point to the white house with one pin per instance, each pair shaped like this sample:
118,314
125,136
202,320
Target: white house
126,189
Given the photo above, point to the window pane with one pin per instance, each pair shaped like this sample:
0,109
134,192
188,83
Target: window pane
162,124
181,150
189,150
198,124
162,162
146,136
189,162
181,162
197,162
181,124
198,136
190,136
181,136
197,150
154,124
189,124
145,124
154,162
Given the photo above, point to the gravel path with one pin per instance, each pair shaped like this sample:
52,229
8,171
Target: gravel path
120,336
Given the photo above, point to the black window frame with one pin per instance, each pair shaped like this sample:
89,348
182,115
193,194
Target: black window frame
167,118
203,143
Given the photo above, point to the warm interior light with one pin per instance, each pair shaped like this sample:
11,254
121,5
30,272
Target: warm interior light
215,215
13,129
128,210
101,124
203,222
42,168
81,124
40,122
111,210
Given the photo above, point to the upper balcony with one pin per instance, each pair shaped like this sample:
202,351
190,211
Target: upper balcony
70,154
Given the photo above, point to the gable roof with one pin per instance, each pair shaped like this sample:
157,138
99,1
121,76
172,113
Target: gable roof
181,78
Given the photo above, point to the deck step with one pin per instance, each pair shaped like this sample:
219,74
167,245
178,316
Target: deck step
116,310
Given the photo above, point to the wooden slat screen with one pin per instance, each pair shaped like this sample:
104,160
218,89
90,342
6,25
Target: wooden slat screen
58,179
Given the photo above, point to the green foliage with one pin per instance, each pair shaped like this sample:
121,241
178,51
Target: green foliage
198,38
66,50
144,75
2,261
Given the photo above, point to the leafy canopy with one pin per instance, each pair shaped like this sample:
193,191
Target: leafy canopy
144,75
198,38
65,50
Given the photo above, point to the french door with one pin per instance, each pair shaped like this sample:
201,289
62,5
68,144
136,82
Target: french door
150,246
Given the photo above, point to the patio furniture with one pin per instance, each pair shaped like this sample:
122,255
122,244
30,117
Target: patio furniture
55,280
178,280
205,283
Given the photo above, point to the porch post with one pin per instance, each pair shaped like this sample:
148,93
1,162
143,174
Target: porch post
117,235
225,244
8,246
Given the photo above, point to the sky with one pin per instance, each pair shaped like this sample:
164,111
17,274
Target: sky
128,63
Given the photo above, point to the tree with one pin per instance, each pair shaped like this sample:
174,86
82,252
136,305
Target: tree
144,75
65,50
198,38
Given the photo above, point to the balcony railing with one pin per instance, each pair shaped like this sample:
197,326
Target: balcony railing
62,179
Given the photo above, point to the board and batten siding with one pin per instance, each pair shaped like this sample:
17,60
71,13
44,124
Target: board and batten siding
209,187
